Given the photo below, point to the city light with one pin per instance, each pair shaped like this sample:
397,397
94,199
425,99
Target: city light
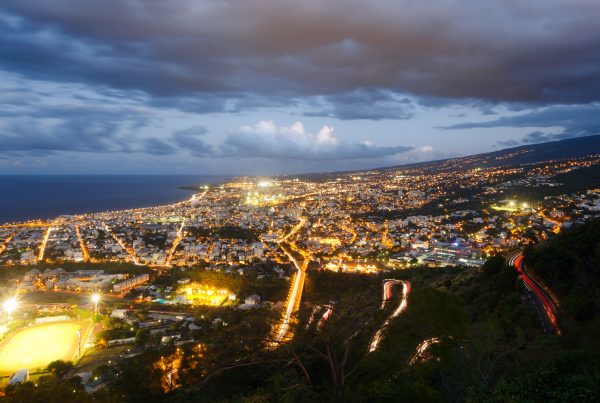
201,294
9,306
96,299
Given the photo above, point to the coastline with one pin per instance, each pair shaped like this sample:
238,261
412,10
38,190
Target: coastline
40,197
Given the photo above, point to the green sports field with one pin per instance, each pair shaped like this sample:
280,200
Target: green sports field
36,346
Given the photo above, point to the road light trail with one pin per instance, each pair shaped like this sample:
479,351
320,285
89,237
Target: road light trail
422,350
387,294
176,241
325,317
549,308
127,249
293,231
82,246
40,257
295,294
294,297
537,281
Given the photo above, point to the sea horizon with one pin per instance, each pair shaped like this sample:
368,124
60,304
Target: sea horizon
46,196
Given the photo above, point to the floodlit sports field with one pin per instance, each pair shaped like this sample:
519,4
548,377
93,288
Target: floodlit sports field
35,347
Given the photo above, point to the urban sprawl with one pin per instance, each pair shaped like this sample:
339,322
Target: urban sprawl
438,215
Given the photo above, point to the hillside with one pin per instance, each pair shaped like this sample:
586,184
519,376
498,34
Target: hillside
569,264
527,154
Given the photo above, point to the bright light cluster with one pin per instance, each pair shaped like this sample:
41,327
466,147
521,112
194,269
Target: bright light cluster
203,294
260,199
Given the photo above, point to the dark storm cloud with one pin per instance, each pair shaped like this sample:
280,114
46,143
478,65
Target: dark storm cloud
255,147
156,146
191,140
362,104
572,120
73,135
34,128
538,51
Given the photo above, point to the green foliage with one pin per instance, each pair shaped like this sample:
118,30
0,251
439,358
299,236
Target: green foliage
59,367
142,336
568,379
47,390
116,329
569,265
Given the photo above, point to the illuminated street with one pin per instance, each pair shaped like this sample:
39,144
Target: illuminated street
40,257
84,250
295,294
129,250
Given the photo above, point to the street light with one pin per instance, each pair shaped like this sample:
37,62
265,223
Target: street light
95,300
9,307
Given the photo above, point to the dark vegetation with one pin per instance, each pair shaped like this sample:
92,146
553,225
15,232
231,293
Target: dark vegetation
570,266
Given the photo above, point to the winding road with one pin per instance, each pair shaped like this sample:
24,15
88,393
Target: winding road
387,296
544,303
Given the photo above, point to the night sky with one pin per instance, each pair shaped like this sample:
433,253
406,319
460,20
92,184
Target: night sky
273,86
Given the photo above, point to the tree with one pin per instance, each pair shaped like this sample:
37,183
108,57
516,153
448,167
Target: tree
59,367
47,390
142,336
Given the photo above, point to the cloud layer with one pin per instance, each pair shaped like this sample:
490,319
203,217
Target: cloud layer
539,51
267,140
171,80
570,120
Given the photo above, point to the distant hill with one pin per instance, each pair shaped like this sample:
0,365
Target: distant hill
527,154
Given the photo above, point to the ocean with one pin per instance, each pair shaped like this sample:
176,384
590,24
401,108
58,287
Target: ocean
26,197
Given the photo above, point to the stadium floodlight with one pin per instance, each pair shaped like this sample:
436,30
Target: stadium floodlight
9,306
95,300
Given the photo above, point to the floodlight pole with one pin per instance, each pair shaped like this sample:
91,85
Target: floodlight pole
78,344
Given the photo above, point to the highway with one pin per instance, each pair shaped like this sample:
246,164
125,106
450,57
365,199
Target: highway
541,299
295,294
386,298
